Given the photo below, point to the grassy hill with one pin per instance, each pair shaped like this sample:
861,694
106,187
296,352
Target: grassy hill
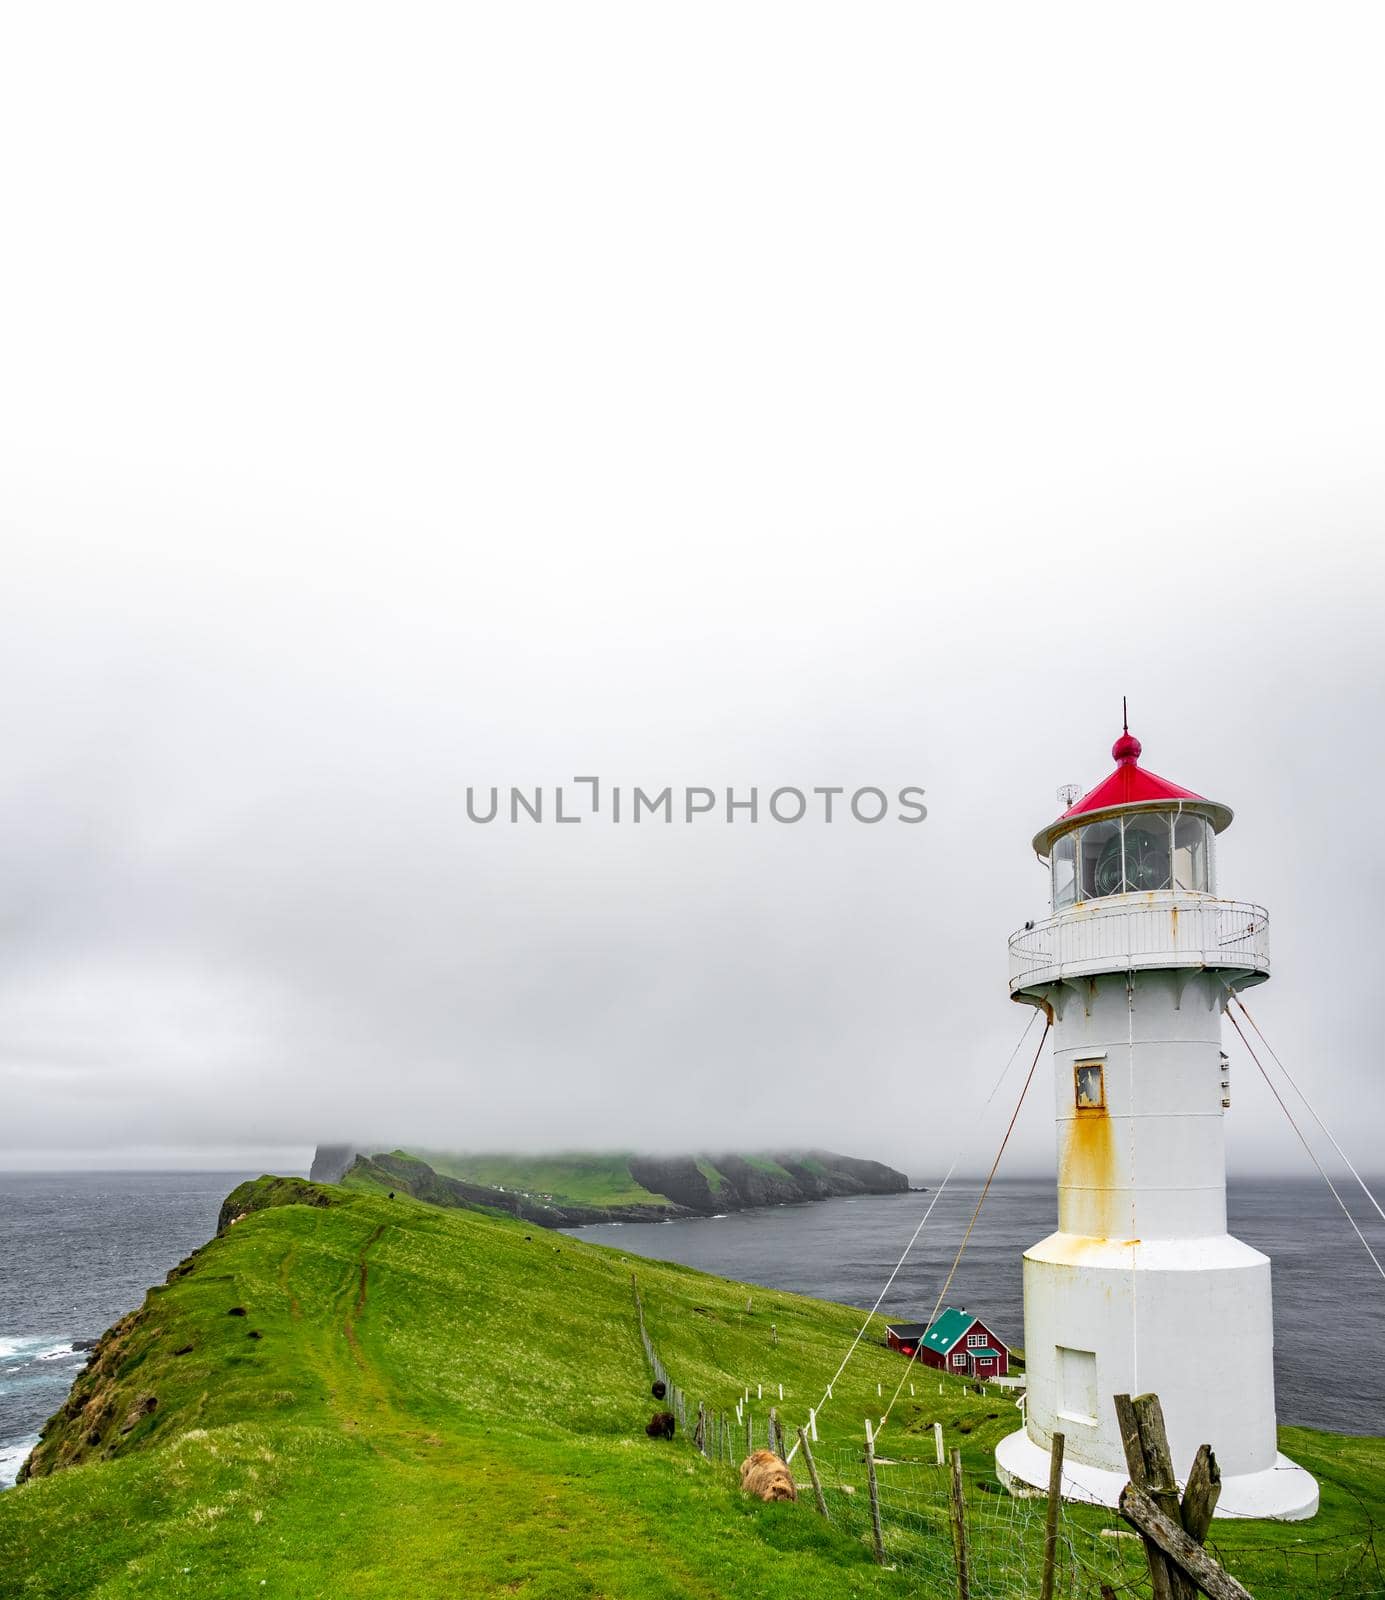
420,1402
577,1188
579,1179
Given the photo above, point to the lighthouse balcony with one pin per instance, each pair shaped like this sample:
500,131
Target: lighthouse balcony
1131,932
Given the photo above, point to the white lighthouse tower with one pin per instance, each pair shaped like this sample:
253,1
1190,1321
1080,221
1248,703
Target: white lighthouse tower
1141,1288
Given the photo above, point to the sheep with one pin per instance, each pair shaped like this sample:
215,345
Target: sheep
661,1425
766,1477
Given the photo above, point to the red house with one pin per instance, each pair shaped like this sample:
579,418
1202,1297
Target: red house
957,1342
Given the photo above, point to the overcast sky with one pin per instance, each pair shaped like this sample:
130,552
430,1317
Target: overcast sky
396,400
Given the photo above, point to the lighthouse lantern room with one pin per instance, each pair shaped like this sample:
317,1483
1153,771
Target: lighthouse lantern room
1142,1288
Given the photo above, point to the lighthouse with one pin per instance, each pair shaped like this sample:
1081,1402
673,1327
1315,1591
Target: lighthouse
1142,1289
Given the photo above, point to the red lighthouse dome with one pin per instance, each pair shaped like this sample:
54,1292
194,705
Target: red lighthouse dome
1131,786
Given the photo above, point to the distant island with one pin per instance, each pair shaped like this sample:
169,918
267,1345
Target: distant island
575,1189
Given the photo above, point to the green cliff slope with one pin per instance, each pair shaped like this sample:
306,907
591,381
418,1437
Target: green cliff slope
422,1402
582,1187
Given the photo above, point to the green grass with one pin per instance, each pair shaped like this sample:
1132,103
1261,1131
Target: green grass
442,1403
716,1182
575,1179
769,1165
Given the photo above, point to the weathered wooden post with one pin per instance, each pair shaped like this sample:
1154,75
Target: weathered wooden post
1201,1494
876,1535
813,1474
1173,1531
1191,1561
938,1443
749,1433
1055,1503
774,1431
959,1528
1130,1417
700,1432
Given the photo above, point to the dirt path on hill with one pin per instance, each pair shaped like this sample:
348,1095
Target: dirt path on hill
354,1314
286,1267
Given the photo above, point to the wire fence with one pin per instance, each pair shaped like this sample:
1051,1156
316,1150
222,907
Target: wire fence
1004,1534
1096,1554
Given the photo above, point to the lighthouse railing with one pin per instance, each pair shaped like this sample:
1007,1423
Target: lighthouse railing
1126,932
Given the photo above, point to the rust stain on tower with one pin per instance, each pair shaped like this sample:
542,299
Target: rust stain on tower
1086,1169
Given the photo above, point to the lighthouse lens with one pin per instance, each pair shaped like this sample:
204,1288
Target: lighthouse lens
1108,867
1098,847
1146,854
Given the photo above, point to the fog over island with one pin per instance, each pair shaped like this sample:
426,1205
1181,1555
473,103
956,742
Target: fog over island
832,460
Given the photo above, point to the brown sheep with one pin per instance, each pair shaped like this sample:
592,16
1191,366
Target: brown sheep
660,1425
765,1476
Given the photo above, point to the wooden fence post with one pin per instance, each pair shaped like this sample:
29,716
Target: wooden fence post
959,1529
813,1474
938,1443
876,1534
1172,1530
1161,1580
1193,1562
774,1432
749,1433
1201,1494
1055,1502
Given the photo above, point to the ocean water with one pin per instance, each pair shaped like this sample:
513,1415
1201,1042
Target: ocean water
78,1250
1329,1301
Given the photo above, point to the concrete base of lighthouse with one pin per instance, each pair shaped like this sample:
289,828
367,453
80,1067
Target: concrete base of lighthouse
1188,1319
1283,1492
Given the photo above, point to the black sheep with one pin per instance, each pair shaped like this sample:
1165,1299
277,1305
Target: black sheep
660,1425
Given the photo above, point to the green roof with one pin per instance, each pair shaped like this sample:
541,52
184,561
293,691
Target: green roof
948,1329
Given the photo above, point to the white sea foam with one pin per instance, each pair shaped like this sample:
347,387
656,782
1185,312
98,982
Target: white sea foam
25,1348
55,1353
11,1458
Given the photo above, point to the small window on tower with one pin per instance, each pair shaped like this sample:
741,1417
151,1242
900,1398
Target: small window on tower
1077,1385
1090,1082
